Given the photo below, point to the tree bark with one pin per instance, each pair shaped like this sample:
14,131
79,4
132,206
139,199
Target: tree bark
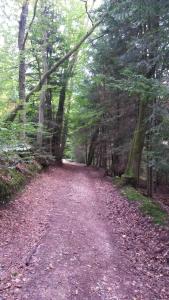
133,167
22,67
65,128
57,136
92,147
149,166
58,131
43,94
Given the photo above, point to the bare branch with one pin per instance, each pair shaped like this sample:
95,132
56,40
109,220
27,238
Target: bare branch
98,37
30,25
87,12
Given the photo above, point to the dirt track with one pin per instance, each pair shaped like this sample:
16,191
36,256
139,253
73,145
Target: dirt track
70,235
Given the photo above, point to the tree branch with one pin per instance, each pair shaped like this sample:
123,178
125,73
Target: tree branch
61,61
87,12
13,114
30,25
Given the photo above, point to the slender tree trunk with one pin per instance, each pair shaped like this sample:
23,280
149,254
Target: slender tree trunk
22,38
48,120
92,147
149,166
115,155
57,136
65,128
86,152
43,94
151,161
22,67
58,130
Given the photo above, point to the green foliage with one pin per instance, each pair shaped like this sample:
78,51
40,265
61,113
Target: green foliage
147,89
133,195
10,135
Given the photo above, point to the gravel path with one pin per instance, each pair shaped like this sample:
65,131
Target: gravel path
70,235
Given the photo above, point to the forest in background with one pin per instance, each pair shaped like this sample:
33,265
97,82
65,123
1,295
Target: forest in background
88,82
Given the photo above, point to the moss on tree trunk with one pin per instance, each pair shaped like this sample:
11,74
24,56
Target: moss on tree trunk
132,172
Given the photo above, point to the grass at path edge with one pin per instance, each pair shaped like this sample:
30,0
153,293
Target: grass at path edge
147,205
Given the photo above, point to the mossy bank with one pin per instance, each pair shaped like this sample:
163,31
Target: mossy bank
16,170
13,179
147,205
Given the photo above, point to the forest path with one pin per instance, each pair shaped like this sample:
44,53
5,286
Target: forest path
70,235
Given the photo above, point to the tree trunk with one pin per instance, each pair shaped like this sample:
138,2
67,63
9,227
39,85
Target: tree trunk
149,166
92,147
48,120
22,38
57,136
22,67
115,156
58,130
133,167
65,128
43,94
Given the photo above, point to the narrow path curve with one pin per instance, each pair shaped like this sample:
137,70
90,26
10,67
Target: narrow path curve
70,235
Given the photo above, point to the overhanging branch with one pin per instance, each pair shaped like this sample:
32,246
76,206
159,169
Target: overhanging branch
11,117
62,60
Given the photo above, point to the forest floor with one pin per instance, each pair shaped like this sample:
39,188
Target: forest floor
71,235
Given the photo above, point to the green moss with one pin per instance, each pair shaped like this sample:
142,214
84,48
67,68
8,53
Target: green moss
132,194
10,184
118,181
155,211
34,167
12,179
148,207
5,192
17,180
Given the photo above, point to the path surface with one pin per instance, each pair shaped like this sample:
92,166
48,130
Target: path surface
70,235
